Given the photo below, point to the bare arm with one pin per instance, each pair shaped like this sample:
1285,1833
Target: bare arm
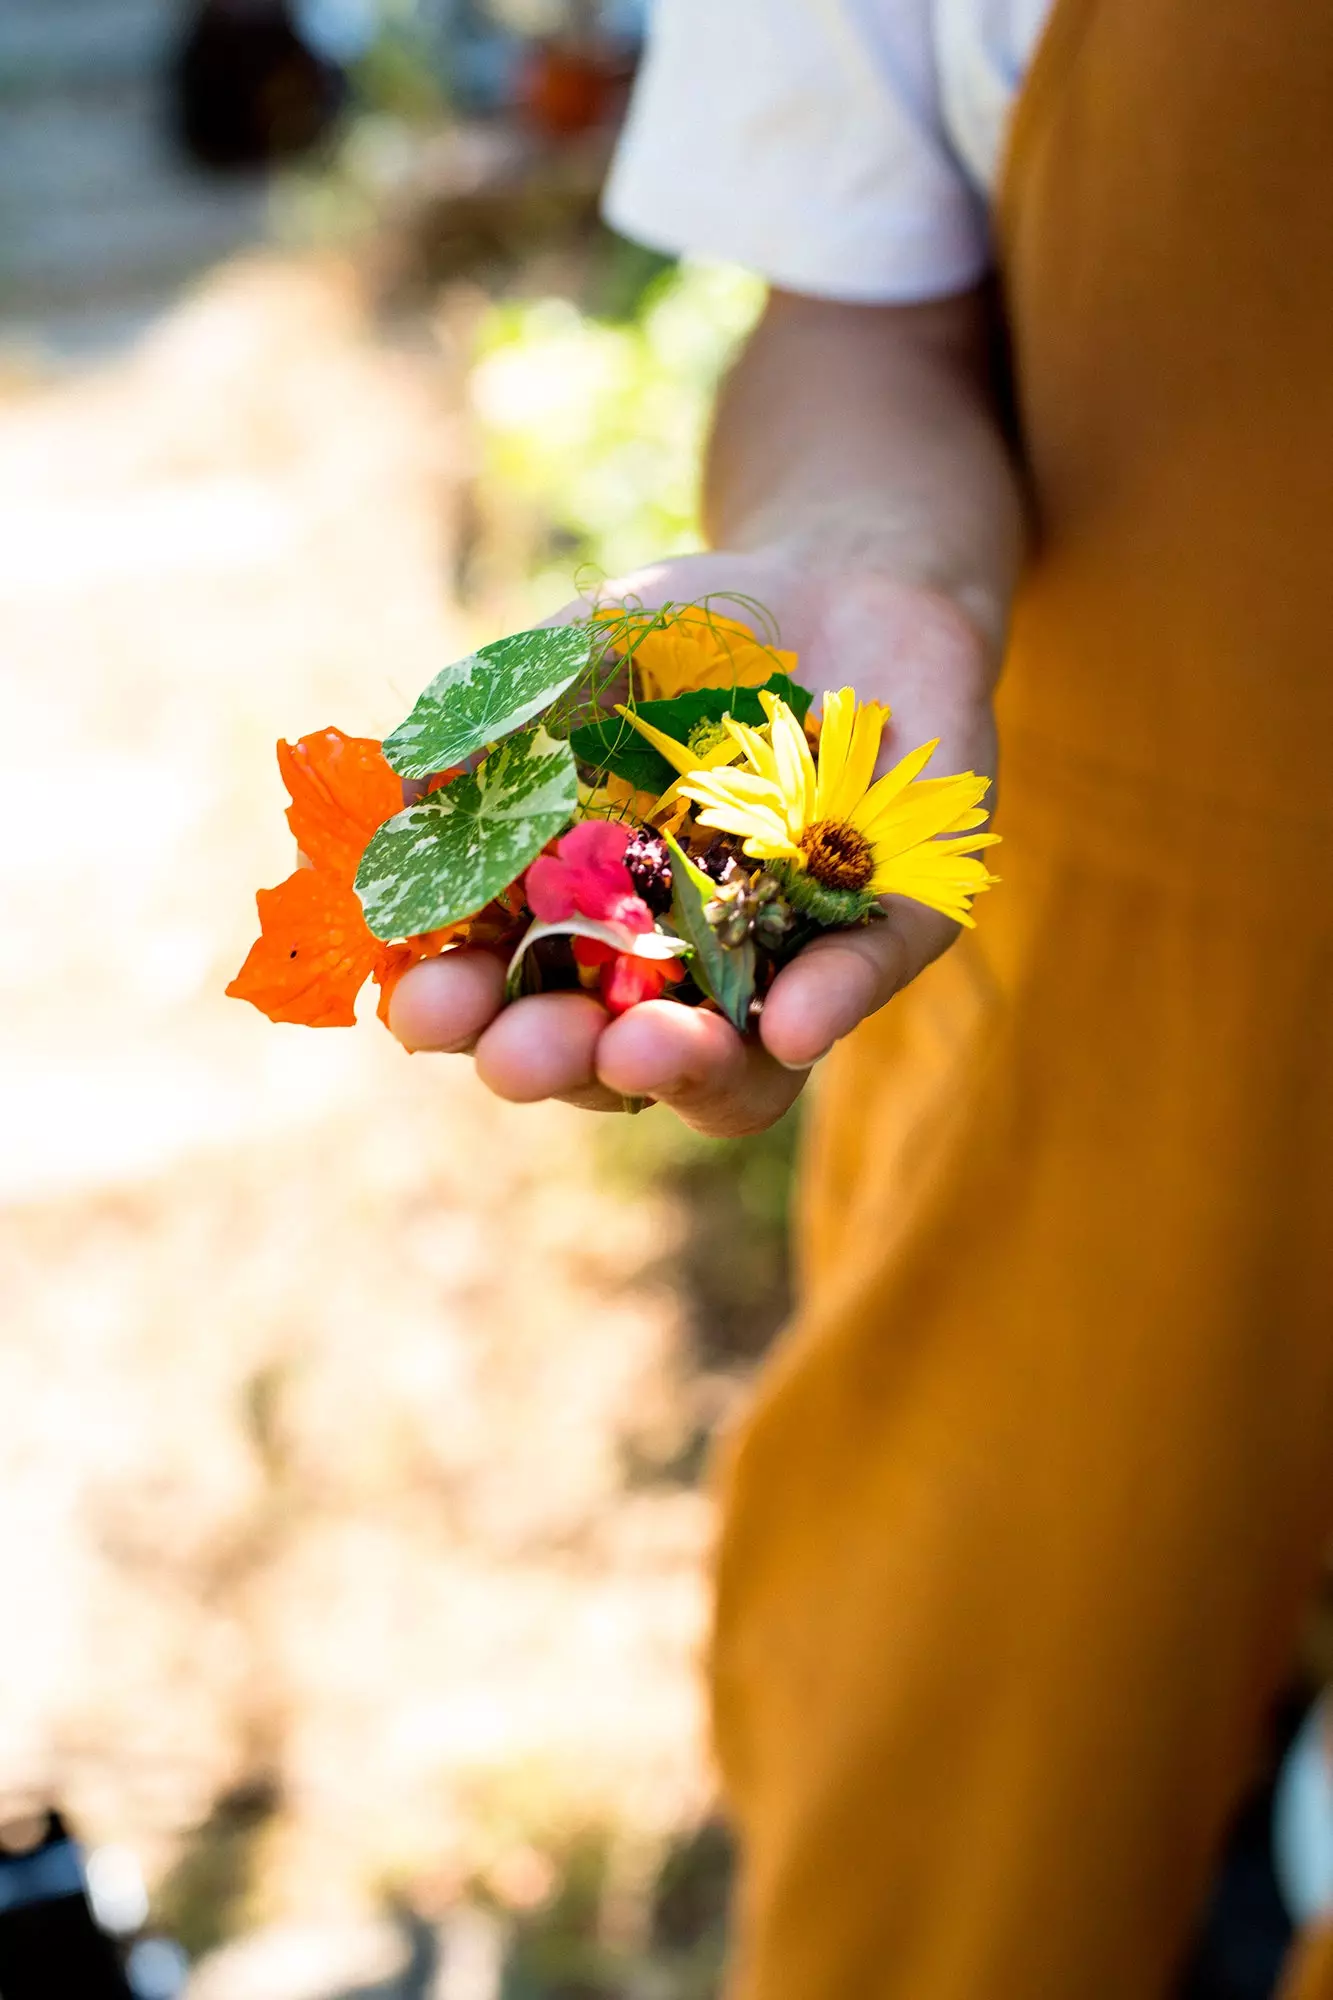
859,487
864,438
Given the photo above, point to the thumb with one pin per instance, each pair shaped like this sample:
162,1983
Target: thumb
831,986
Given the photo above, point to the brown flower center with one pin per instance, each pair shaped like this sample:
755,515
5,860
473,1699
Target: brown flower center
837,855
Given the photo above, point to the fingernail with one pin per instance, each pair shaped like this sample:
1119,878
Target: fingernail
800,1067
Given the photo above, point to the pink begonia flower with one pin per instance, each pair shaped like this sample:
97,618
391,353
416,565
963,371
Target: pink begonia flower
587,877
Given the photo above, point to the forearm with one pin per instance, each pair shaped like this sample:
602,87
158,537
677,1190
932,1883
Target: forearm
865,440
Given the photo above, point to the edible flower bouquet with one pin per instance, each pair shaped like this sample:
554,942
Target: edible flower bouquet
643,804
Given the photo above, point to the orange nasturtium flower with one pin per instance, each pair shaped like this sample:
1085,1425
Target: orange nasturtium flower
695,648
315,951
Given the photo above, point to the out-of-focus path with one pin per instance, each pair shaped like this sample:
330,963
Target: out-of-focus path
317,1366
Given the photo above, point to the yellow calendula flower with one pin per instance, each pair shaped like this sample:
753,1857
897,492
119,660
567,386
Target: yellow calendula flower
710,745
839,839
614,798
689,647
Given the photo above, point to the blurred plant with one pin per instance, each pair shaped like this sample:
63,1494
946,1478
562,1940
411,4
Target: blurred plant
397,72
732,1267
600,1935
591,431
209,1893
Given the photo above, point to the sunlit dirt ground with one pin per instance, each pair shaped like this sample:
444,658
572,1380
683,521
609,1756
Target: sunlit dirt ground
320,1372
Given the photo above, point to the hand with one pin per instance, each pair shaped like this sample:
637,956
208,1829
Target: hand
892,642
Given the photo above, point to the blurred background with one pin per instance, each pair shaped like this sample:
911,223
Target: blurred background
353,1426
353,1533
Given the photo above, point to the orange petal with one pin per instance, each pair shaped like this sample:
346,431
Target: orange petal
342,789
443,778
313,956
499,926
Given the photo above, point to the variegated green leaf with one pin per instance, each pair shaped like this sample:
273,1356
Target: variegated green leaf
491,693
445,858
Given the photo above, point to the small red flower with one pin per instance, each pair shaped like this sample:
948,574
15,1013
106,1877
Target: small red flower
587,877
623,980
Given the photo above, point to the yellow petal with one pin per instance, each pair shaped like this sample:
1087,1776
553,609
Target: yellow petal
795,767
756,747
974,816
670,813
936,874
613,798
680,757
862,754
746,787
923,810
891,785
690,646
766,849
763,833
835,740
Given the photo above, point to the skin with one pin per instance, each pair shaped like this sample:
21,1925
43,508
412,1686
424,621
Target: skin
859,486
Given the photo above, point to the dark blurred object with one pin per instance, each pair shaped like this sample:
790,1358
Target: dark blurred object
518,174
248,88
582,1942
484,198
1246,1931
732,1269
50,1944
692,1897
203,1899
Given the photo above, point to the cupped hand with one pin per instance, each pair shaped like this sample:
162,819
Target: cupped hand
892,642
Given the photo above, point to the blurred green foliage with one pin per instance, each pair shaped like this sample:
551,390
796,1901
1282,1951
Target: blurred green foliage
207,1896
731,1266
594,426
567,1950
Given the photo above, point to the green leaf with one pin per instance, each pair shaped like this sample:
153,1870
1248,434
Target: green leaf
487,696
445,858
725,972
610,744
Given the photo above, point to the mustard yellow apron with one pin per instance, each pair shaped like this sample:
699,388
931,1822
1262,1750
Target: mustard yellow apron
1019,1531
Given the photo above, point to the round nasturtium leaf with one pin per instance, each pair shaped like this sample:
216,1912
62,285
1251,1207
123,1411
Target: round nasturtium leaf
446,858
491,693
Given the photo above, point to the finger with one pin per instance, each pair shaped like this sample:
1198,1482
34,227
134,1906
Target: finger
693,1060
830,987
444,1003
542,1046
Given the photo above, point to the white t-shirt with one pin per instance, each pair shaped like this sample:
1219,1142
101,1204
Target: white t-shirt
843,148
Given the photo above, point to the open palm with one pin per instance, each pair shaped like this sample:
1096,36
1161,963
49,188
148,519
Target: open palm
894,643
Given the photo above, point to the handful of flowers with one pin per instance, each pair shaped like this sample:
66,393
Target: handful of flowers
640,804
